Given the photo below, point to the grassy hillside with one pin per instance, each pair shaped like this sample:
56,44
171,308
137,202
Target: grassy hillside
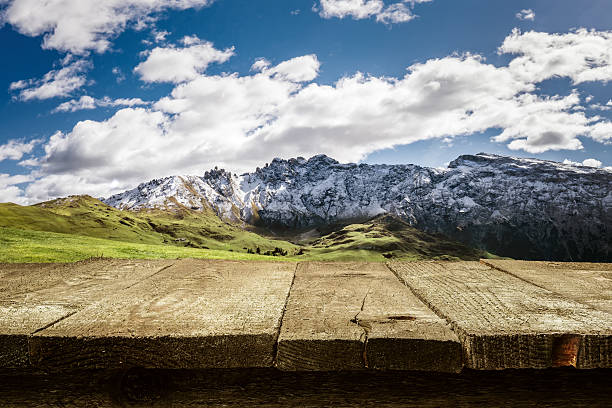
80,227
18,245
86,216
390,237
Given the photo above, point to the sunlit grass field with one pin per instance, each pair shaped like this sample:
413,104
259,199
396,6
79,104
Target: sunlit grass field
81,227
18,245
40,246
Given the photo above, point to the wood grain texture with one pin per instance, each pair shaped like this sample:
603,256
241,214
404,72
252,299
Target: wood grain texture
588,283
17,323
505,322
76,284
351,316
195,314
34,296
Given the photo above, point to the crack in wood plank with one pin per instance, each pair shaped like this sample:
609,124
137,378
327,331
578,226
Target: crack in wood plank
366,330
280,322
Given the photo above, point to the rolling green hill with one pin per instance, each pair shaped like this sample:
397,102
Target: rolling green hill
80,227
390,237
86,216
18,245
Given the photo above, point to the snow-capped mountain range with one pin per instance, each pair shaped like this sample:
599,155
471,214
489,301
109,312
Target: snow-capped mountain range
522,208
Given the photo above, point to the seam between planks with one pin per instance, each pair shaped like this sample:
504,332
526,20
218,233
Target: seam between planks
43,328
421,298
497,268
53,322
525,342
149,276
461,334
78,309
280,322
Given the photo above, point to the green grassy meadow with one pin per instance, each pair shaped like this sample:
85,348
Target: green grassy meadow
81,227
41,246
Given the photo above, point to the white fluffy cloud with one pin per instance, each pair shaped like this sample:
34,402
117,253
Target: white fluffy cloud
15,149
395,13
180,64
591,163
398,12
358,9
239,121
582,55
10,191
601,131
87,102
526,14
81,26
55,83
587,163
600,107
110,148
540,124
299,69
73,105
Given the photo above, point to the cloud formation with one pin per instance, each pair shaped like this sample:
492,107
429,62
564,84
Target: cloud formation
582,55
10,191
239,121
55,83
398,12
15,149
299,69
526,14
87,102
180,64
587,163
82,26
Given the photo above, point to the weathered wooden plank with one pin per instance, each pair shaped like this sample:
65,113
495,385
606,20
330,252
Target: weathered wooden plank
79,283
34,296
351,316
195,314
506,322
589,283
17,323
403,333
317,331
16,278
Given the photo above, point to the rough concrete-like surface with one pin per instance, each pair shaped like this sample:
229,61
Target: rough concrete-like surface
350,316
505,322
589,283
34,296
194,314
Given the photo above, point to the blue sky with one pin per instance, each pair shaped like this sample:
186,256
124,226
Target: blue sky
92,105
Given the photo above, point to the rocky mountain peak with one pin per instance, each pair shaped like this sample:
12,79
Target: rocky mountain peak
321,160
521,208
217,174
478,159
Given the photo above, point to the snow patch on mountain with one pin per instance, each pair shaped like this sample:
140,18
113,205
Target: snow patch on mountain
523,208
